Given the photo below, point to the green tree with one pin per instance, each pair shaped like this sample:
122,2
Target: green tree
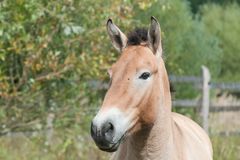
196,4
223,22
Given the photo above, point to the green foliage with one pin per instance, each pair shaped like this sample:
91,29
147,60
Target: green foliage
48,52
196,4
224,23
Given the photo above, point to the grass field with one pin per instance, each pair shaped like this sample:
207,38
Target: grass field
226,148
62,148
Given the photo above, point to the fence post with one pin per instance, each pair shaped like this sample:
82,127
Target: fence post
49,127
205,97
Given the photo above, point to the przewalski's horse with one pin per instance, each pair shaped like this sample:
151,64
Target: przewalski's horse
135,119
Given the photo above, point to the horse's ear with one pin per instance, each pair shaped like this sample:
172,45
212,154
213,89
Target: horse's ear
154,37
119,40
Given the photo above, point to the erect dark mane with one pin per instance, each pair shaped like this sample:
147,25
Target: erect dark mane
137,36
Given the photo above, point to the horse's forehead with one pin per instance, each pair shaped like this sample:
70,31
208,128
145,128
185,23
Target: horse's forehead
135,57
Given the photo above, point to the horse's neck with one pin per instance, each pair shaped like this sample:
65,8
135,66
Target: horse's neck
154,141
151,143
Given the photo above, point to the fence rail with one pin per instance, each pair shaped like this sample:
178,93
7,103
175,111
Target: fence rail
185,79
186,103
226,86
224,108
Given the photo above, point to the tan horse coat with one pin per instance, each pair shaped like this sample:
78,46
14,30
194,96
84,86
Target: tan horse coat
138,107
172,136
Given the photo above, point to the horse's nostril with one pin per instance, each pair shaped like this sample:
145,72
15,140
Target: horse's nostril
108,129
104,134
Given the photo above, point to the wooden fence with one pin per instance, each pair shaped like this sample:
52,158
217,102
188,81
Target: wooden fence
205,105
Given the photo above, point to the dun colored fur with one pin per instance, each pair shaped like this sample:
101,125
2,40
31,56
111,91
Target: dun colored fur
135,119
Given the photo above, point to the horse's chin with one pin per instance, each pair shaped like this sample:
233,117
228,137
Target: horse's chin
111,148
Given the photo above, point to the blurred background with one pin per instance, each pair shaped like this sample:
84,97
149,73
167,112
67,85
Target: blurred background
54,57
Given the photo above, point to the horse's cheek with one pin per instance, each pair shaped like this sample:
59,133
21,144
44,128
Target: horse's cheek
149,115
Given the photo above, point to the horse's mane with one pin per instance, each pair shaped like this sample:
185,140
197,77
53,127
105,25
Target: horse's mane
137,36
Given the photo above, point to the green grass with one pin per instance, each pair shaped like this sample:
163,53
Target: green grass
63,147
68,147
226,148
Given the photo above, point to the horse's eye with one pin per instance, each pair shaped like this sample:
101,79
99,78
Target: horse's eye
144,75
